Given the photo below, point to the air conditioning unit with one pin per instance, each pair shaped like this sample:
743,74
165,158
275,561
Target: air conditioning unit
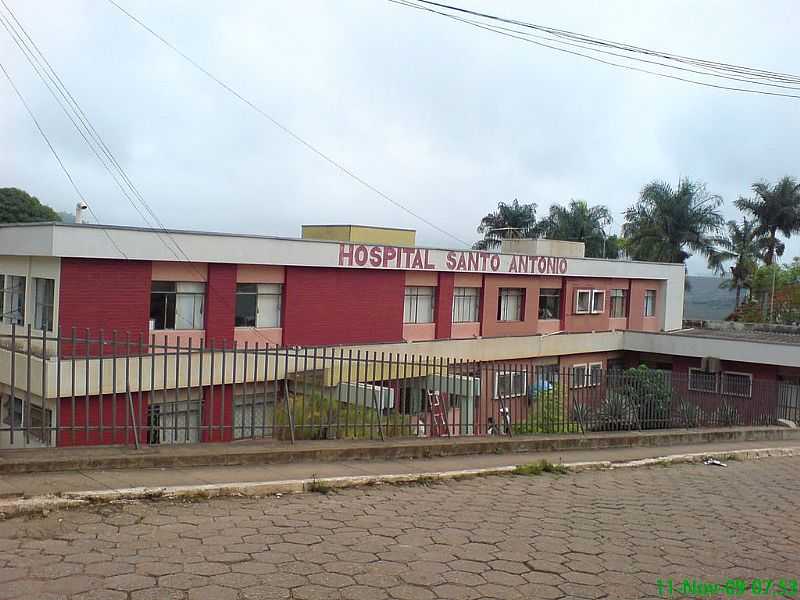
711,364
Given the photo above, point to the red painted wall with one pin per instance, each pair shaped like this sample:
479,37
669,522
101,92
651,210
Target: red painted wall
87,413
637,321
579,322
220,315
217,410
105,295
342,306
444,305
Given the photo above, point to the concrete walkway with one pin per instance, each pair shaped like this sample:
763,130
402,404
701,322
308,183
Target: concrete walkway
17,485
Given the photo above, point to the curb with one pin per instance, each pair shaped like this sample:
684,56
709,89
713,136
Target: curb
212,455
46,503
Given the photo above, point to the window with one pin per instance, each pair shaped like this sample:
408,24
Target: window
466,303
737,384
418,305
174,420
549,303
598,301
177,305
44,294
37,419
595,373
258,304
510,383
579,376
509,306
583,301
12,411
619,304
13,300
649,303
702,381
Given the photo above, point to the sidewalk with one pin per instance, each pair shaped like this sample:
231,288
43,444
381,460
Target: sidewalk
29,485
268,452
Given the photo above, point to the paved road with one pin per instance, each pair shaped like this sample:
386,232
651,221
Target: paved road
589,535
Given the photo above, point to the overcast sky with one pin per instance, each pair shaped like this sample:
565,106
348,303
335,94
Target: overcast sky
444,118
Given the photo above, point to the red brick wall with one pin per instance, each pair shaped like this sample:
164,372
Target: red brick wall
106,295
220,309
444,305
341,306
217,410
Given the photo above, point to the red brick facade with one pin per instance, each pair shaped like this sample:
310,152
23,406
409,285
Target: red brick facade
220,313
104,295
341,306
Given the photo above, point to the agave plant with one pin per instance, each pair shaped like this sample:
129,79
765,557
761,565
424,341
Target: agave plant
689,414
727,415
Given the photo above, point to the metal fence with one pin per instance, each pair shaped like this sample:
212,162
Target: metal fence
79,390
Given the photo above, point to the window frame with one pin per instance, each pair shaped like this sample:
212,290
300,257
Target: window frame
44,305
558,303
578,294
725,392
412,292
696,370
514,374
461,304
654,296
590,379
8,294
503,294
582,380
602,295
175,295
256,295
623,297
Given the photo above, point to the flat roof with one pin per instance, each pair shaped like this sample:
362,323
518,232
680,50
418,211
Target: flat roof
743,335
256,236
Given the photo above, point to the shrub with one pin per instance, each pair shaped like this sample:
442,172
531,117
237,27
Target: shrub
726,415
689,415
315,417
647,392
547,414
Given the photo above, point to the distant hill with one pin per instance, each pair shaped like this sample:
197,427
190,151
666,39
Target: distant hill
705,300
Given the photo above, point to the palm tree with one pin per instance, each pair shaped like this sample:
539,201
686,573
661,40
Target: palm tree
743,246
669,224
775,209
582,223
513,220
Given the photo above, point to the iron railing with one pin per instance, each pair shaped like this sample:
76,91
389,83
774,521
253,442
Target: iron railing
78,390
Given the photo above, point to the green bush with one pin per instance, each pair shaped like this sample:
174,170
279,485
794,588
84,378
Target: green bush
318,417
546,414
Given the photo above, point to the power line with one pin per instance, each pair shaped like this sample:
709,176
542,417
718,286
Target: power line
594,44
295,136
60,95
55,154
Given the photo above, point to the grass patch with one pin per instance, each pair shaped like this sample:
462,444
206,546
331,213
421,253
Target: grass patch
731,457
318,486
537,468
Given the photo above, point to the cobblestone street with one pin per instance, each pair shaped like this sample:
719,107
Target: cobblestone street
589,535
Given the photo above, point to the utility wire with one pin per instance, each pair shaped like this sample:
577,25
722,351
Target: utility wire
55,154
74,109
621,46
295,136
526,37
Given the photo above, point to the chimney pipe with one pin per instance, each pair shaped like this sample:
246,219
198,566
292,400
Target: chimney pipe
79,208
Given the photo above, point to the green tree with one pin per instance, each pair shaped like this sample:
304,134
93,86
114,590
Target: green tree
580,222
775,209
513,220
18,206
743,246
670,224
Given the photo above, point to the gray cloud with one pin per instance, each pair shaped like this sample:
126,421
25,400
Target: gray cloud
445,118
